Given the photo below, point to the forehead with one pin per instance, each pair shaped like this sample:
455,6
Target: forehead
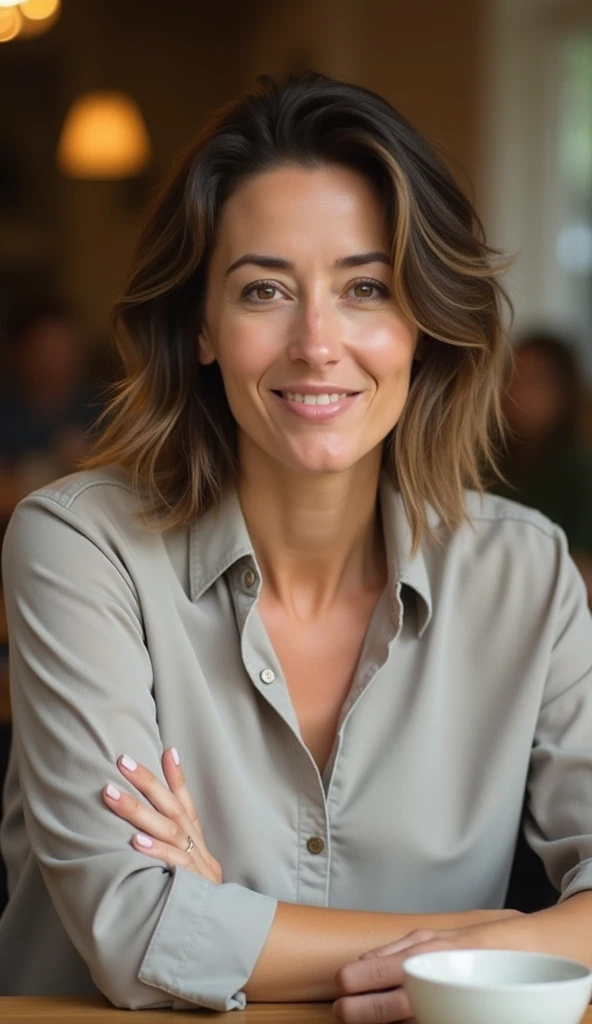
300,207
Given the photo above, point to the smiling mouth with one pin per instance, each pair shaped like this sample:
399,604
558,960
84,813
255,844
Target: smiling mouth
325,398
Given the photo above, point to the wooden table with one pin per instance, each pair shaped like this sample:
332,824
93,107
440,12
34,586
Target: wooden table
94,1010
89,1010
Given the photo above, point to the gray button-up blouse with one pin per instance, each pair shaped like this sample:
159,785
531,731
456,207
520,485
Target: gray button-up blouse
474,682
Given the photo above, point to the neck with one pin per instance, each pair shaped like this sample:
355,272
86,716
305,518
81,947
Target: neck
318,537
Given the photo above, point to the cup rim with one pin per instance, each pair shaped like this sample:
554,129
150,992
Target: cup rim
513,986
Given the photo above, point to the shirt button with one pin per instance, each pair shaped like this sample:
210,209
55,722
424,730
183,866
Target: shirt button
249,578
315,845
267,676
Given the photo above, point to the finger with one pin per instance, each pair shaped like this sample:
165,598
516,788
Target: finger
171,855
433,946
165,802
169,805
176,828
156,827
175,777
411,939
373,1008
375,974
151,822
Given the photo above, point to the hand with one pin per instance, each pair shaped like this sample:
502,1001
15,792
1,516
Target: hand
171,824
372,987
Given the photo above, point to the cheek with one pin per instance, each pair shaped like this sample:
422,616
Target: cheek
388,351
245,352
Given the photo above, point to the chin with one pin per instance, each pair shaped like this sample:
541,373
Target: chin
325,465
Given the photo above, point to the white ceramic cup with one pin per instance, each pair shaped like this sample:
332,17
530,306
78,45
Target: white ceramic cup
490,986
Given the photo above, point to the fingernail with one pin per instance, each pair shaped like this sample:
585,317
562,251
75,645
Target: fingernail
143,840
175,754
113,792
129,763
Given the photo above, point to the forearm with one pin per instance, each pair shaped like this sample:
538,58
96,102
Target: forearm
562,930
307,945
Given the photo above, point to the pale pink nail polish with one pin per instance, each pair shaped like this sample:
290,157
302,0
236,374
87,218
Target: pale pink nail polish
113,792
129,763
175,754
143,840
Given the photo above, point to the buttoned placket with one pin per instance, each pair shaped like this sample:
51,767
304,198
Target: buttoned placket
314,793
265,672
368,671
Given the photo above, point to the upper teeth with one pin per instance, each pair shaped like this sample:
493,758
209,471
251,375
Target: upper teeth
324,399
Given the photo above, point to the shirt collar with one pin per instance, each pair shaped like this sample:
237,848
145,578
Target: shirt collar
220,538
405,568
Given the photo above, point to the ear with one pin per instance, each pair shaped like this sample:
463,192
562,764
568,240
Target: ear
207,356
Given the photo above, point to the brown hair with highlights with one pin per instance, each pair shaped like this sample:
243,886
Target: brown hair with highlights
169,423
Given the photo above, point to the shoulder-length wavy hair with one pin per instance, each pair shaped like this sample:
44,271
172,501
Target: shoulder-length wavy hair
169,423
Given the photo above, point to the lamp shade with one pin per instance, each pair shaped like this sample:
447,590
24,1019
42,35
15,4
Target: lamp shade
10,23
39,10
103,136
33,27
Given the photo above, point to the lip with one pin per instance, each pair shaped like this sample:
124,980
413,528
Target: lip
318,389
316,413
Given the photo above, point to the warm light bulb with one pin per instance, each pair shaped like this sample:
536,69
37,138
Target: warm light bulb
104,136
10,24
38,10
31,28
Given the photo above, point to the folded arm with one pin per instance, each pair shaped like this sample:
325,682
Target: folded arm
306,946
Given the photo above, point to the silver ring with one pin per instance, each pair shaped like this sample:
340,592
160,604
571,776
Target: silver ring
190,845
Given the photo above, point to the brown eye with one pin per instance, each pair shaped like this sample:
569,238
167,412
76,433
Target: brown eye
265,291
261,291
368,289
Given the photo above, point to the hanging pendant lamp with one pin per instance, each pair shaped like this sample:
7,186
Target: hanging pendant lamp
103,136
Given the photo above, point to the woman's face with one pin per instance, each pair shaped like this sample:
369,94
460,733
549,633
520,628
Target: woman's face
315,356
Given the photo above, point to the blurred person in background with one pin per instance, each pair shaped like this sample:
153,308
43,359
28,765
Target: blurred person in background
47,402
546,465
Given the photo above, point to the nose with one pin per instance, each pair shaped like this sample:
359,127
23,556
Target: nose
317,334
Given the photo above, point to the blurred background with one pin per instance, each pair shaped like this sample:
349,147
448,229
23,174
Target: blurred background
98,96
504,85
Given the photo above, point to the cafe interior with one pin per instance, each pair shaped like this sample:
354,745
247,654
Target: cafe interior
98,97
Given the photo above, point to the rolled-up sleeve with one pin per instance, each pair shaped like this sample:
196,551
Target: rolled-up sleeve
82,693
559,823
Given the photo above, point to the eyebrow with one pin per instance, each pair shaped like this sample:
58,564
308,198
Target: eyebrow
275,263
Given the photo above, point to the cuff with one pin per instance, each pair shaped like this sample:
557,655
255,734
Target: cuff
577,880
207,942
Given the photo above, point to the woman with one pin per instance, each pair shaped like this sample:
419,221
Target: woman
545,465
272,574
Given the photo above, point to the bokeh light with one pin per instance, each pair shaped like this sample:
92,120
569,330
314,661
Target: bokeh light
10,23
38,10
